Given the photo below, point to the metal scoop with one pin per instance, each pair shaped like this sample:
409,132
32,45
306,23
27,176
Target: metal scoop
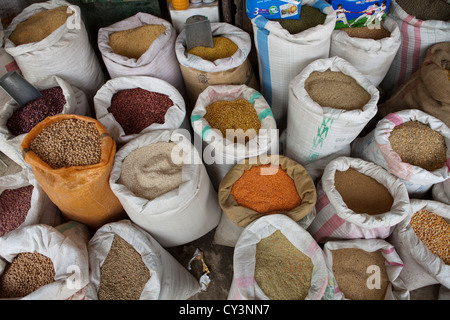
198,32
18,88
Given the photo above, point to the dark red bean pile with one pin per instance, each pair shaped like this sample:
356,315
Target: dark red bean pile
14,207
136,109
49,104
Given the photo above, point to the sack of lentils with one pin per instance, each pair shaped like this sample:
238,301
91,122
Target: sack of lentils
358,199
330,103
57,97
284,50
50,38
130,106
276,259
242,111
127,263
263,186
370,50
423,242
225,63
41,262
141,45
422,24
411,145
365,269
72,157
164,188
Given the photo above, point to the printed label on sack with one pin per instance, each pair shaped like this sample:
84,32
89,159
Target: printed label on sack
274,9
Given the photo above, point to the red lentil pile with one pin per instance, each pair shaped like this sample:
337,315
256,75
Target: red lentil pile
136,109
14,207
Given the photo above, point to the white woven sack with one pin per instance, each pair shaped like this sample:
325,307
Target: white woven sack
169,280
334,220
416,37
421,267
65,245
375,147
181,215
315,132
221,154
158,61
372,57
394,265
441,191
76,103
66,53
282,55
244,286
175,116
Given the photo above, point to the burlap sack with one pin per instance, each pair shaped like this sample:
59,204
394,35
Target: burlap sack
428,89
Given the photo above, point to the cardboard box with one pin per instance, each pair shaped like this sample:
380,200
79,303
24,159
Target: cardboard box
359,13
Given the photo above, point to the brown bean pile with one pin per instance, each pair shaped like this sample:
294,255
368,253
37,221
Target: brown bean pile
14,207
25,274
68,143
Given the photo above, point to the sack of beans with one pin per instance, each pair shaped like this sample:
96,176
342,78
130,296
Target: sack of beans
72,157
141,45
225,63
441,191
370,50
41,262
365,269
286,46
262,186
357,199
411,145
427,89
422,24
127,263
274,259
57,97
423,242
233,122
130,106
164,188
23,202
330,103
50,38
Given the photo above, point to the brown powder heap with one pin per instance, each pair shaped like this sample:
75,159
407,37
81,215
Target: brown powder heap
222,48
362,193
25,274
310,17
135,42
419,145
123,273
368,33
350,266
40,25
336,90
282,271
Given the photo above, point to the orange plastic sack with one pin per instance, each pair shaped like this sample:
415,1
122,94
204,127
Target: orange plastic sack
82,193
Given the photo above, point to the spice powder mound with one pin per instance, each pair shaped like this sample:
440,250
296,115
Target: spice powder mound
266,194
123,273
222,48
14,207
419,145
368,33
282,271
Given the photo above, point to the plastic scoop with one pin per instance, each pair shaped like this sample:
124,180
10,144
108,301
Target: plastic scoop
198,32
18,88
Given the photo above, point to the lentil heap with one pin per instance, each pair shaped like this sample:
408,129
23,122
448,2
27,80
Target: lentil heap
149,172
434,232
368,33
309,17
361,193
350,270
133,43
123,273
49,104
282,271
235,114
222,48
419,145
136,109
67,143
25,274
336,90
426,9
39,26
266,193
14,207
